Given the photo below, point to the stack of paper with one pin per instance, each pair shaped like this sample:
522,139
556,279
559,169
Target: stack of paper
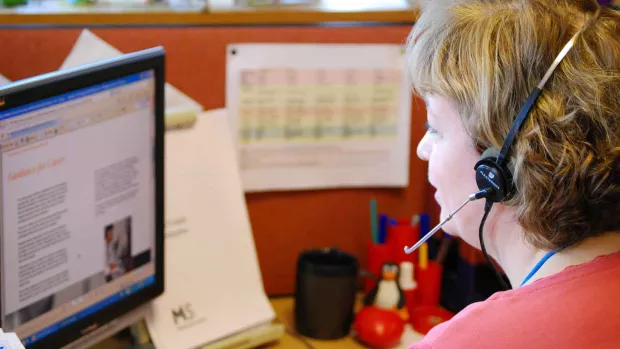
213,283
89,48
3,80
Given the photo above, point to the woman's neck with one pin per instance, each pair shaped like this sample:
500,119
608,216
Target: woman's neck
587,251
517,257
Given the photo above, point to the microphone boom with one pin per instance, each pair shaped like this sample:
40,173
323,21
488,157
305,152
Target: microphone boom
472,197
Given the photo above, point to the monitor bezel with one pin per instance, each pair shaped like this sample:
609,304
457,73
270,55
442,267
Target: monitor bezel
58,82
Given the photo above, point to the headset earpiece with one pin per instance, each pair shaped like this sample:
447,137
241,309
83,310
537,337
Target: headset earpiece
490,153
490,175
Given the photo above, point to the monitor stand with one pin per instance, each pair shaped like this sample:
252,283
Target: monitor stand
112,328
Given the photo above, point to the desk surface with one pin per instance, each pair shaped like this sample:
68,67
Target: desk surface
284,308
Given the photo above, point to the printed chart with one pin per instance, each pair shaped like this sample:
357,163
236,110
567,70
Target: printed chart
319,116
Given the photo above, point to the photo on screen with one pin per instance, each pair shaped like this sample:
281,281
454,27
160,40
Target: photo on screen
118,248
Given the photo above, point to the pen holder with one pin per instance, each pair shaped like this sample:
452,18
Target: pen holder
399,237
429,283
377,255
325,289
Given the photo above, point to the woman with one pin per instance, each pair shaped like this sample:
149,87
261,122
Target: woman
475,62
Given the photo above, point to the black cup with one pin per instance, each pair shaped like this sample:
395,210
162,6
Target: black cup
325,289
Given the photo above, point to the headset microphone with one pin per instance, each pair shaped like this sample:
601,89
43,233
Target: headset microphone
475,196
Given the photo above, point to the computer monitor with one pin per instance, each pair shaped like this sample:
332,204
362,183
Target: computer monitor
81,197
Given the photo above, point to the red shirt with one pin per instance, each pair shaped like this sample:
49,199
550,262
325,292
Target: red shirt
576,308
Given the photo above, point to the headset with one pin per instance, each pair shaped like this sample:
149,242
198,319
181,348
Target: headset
494,174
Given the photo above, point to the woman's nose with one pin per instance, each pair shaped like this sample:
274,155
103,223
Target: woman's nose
423,150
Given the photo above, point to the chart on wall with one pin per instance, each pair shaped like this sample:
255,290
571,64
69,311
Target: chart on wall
316,116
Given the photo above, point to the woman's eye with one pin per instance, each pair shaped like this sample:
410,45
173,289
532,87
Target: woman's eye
430,129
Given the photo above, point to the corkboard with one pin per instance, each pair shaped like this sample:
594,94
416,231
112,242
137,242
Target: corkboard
284,223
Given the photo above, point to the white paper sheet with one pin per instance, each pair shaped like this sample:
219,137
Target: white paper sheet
10,340
90,48
3,80
211,264
308,116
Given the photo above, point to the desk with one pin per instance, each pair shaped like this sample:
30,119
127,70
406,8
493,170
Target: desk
284,309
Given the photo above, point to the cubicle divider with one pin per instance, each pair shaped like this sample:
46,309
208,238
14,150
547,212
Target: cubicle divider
284,223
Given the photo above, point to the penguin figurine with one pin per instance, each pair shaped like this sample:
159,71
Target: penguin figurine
387,293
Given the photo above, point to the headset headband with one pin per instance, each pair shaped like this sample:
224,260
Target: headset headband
531,99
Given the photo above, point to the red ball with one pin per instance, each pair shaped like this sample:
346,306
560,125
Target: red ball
378,328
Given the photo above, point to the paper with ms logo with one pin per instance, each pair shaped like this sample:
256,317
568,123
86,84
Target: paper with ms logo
10,341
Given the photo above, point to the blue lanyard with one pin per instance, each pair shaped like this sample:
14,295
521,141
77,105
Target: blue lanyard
538,266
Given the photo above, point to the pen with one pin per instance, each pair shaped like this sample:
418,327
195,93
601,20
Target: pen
383,224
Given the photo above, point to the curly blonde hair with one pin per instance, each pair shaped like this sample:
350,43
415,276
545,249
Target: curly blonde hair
487,56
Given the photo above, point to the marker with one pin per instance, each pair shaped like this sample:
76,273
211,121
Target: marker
425,223
373,220
423,256
415,219
443,249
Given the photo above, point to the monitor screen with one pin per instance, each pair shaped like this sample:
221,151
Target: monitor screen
78,187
